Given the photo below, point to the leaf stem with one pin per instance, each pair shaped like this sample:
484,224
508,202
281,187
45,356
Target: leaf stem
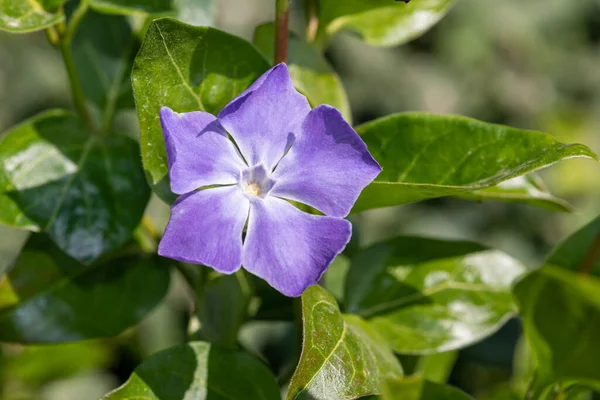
282,20
587,265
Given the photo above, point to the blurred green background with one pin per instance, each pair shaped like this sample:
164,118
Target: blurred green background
533,64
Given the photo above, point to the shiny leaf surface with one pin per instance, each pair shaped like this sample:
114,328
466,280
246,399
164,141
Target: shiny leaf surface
527,189
427,296
342,357
574,251
426,156
48,297
312,74
188,69
55,176
417,388
21,16
199,371
381,22
561,319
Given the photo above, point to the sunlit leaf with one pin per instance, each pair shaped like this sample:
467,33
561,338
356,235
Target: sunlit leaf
418,388
20,16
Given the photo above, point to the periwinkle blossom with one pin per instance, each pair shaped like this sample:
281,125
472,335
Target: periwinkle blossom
286,152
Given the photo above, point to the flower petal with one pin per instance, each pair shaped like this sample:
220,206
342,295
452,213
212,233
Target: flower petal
206,228
263,120
288,248
328,165
198,151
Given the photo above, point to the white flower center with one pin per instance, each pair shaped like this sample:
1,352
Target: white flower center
253,189
255,182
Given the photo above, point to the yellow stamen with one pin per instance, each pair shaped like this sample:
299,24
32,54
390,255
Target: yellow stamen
253,189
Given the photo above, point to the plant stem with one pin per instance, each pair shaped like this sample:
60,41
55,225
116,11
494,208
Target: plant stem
312,20
587,266
282,20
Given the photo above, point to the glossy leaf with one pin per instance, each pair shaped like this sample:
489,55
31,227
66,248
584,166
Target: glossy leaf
49,297
417,388
188,69
21,16
311,73
342,357
561,319
104,62
426,156
426,296
381,22
55,176
527,189
199,371
573,252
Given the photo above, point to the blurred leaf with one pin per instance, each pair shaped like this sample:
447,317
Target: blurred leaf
188,69
273,306
104,62
381,22
417,388
87,194
335,277
56,299
223,307
437,367
10,246
426,296
20,16
312,74
561,320
342,358
196,12
132,6
426,156
573,252
527,189
199,371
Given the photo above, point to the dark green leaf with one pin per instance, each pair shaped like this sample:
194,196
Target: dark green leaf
561,319
195,12
199,371
132,6
104,62
188,69
417,388
49,297
342,357
427,296
29,15
573,251
381,22
527,189
55,176
312,74
426,156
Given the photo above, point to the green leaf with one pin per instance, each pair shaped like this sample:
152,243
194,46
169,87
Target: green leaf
49,297
188,69
196,12
132,6
437,367
104,62
529,189
312,74
572,252
381,22
561,319
55,176
199,371
342,358
426,156
426,296
20,16
417,388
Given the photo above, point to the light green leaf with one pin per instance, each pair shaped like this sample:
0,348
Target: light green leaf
48,297
195,12
381,22
417,388
188,69
437,367
561,319
55,176
311,73
342,358
528,189
426,156
427,296
20,16
574,251
199,371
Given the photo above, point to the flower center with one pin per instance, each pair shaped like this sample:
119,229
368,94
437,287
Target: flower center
253,189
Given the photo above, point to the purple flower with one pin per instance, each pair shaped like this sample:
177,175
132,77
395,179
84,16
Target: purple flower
286,152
